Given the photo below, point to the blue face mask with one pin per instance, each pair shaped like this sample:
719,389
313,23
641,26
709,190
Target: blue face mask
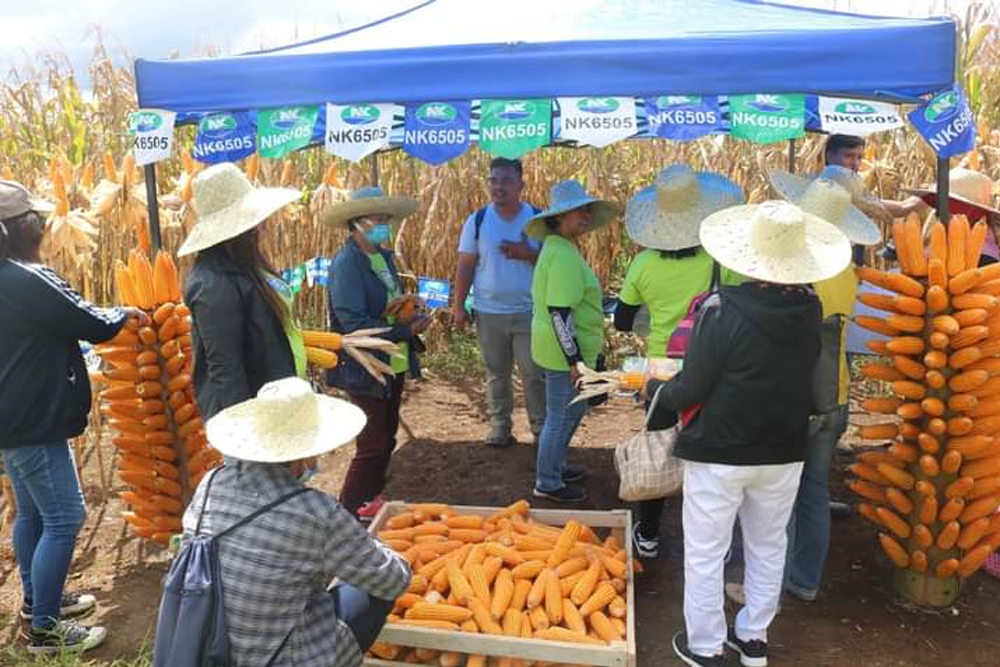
378,234
307,474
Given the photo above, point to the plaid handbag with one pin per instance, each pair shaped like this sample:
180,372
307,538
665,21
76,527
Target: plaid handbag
646,465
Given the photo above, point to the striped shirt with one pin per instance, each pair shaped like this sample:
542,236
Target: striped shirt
276,569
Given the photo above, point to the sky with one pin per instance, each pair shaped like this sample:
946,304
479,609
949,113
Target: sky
34,28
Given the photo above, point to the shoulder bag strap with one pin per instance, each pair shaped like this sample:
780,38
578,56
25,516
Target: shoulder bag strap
652,406
716,276
480,216
204,499
266,508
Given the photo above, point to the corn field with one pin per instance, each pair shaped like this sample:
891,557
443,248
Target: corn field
56,141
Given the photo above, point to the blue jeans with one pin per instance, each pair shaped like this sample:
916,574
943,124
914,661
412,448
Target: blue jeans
363,614
561,421
50,512
809,526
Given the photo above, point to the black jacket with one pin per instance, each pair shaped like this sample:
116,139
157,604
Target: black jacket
43,379
357,299
750,365
239,343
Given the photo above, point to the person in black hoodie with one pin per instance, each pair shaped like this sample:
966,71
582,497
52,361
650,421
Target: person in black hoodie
243,330
747,379
46,391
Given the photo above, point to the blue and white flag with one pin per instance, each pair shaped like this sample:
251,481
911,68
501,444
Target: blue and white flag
947,123
684,117
436,132
225,137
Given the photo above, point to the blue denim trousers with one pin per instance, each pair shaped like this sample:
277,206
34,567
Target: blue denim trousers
561,421
809,526
50,512
362,613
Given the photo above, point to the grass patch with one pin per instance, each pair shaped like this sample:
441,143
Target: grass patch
455,356
16,657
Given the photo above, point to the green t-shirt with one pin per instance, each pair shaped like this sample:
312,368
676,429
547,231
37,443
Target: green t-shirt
292,330
400,361
667,285
563,279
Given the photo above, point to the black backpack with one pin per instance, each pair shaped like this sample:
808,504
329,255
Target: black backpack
191,626
481,215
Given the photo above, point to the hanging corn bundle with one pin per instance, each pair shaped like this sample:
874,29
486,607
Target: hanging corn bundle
149,400
935,490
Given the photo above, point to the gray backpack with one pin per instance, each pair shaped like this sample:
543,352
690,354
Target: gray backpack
826,374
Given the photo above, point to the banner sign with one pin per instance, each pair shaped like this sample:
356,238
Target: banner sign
152,133
597,121
947,123
511,128
766,119
282,131
355,131
224,137
434,292
856,117
436,132
684,117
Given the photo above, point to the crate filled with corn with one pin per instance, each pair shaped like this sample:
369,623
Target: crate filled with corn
512,586
934,490
148,400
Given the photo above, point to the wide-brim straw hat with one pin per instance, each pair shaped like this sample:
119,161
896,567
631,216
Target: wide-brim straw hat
287,421
668,214
566,196
776,242
822,196
228,205
368,201
970,193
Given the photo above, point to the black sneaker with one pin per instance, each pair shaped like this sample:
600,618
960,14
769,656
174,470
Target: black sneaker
65,636
72,604
752,653
643,547
682,651
573,474
567,494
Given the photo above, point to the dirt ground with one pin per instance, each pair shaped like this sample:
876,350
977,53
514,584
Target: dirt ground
855,622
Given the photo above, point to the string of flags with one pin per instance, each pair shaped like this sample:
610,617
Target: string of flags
438,131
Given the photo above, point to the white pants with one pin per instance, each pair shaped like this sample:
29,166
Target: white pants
714,494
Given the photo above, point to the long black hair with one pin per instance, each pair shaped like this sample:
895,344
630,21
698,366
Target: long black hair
21,237
245,251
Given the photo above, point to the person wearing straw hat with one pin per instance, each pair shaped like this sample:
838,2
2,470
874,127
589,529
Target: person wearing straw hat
363,282
673,268
276,570
970,193
567,327
749,366
809,527
47,395
243,330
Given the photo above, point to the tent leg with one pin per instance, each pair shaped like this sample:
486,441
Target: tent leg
374,165
943,187
791,156
152,207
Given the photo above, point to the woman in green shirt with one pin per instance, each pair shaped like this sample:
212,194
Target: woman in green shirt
567,327
673,268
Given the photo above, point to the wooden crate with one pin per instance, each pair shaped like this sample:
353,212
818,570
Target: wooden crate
618,654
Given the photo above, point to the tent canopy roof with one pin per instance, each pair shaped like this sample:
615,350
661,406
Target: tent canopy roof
666,47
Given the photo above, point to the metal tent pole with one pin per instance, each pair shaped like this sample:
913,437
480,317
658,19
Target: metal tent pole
943,187
791,156
152,207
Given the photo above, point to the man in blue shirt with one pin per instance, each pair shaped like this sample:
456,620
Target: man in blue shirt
498,259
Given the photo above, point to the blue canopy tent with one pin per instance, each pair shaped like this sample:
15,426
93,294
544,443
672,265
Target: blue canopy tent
671,47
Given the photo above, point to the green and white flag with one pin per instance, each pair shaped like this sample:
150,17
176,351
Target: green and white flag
766,119
152,133
282,131
511,128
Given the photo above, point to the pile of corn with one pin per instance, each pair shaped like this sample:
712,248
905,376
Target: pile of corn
149,400
935,490
507,575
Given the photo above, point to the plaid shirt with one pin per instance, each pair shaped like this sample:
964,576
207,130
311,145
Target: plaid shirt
277,568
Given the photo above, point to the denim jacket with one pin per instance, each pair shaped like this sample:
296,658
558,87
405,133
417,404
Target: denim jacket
357,299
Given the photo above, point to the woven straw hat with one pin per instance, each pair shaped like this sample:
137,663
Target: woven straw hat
790,186
567,196
228,205
829,196
970,193
777,242
286,422
667,214
368,201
